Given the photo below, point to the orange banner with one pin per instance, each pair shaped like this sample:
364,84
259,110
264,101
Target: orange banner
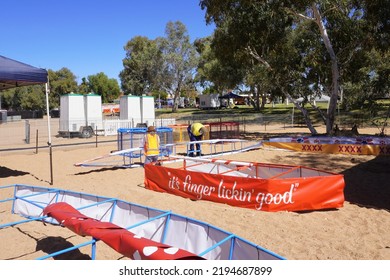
291,194
350,149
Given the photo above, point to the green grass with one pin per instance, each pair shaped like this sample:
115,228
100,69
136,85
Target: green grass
362,117
240,110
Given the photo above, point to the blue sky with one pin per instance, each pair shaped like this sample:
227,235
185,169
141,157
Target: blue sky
88,36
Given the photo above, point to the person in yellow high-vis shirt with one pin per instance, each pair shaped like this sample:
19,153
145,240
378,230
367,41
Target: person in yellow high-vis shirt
151,145
195,133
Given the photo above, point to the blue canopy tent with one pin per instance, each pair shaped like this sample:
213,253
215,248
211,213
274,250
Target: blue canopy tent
230,95
17,74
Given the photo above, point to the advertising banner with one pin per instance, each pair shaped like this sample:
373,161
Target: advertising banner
287,194
333,145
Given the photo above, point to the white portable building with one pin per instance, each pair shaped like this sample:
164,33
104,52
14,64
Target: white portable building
72,112
93,111
139,109
80,113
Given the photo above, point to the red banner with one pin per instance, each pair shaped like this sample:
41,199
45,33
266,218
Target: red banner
291,194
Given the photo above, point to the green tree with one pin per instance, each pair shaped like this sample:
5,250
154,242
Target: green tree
213,74
107,88
33,98
84,86
142,66
180,61
304,45
24,98
61,82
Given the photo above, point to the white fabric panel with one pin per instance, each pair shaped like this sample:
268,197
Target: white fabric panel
28,209
99,212
127,215
196,237
246,251
185,233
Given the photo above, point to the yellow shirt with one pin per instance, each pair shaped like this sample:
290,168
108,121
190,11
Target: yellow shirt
195,128
152,144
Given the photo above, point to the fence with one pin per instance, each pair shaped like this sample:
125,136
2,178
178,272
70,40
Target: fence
110,127
34,132
247,123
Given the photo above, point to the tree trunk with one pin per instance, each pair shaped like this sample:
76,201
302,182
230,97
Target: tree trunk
256,98
263,100
175,104
335,71
308,122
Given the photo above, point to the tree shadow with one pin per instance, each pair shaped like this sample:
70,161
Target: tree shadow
368,183
53,244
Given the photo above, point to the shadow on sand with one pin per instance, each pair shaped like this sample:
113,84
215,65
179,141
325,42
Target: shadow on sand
53,244
368,183
6,172
99,170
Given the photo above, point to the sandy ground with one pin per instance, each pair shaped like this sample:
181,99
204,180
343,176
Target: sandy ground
357,231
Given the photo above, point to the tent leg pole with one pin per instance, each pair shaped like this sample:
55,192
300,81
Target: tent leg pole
51,164
49,131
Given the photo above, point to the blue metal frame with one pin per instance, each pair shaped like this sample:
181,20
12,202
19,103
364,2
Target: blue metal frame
167,214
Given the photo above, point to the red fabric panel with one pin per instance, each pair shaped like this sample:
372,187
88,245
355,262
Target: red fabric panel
293,194
120,239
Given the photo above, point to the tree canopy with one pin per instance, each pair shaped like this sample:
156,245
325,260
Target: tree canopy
272,49
142,66
303,48
100,84
164,64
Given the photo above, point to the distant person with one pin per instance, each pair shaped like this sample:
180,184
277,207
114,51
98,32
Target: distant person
195,133
151,145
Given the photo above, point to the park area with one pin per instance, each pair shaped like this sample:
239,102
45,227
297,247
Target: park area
356,231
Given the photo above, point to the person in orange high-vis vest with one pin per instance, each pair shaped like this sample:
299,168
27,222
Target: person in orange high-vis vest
151,145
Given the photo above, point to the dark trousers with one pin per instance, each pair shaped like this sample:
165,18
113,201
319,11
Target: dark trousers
192,137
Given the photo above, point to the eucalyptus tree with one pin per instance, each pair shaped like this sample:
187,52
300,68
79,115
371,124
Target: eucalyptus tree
143,65
107,88
61,82
214,74
366,78
250,35
24,98
84,86
31,98
180,61
260,85
305,45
